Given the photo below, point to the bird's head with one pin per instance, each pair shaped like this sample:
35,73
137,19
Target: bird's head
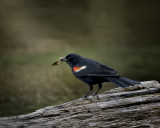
71,59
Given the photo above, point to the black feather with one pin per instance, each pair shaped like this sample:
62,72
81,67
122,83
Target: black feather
96,73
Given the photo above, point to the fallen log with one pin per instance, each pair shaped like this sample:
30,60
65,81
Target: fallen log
136,107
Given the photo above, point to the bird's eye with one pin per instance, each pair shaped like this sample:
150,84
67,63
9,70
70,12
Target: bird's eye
70,59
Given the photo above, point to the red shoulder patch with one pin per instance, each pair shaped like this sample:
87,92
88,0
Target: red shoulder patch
77,69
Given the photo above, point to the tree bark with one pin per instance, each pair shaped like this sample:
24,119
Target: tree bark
136,107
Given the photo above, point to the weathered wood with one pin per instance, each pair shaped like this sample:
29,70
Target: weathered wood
136,107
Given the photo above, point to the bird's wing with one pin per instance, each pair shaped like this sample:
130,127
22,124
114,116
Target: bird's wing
94,69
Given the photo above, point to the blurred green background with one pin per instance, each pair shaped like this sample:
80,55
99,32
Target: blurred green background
123,34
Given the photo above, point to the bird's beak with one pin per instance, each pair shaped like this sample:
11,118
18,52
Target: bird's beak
60,59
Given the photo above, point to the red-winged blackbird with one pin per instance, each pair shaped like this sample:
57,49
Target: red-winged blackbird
92,72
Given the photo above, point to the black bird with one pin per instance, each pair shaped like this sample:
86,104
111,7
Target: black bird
92,72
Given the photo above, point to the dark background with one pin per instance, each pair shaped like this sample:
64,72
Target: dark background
123,34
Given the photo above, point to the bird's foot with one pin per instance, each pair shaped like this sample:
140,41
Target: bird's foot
85,98
96,96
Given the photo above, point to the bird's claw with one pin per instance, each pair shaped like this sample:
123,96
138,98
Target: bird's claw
85,98
96,96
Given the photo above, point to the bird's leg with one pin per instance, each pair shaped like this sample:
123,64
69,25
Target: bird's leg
99,87
90,89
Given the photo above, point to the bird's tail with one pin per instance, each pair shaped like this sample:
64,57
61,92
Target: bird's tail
122,81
